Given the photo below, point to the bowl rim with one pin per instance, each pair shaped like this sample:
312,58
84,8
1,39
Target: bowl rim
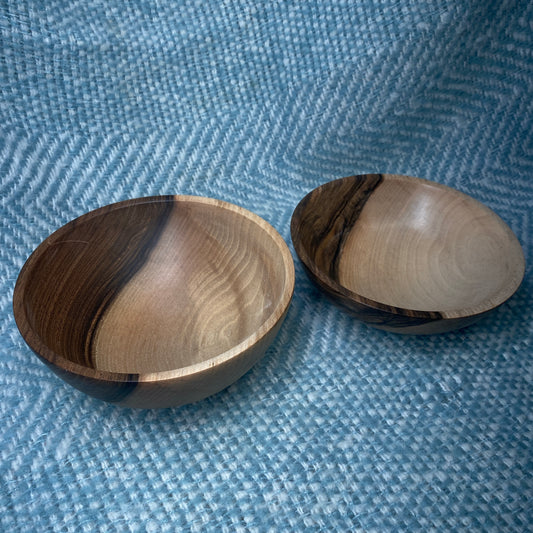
335,287
33,340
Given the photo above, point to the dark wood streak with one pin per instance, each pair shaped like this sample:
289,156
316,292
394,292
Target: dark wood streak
377,314
114,392
332,223
80,276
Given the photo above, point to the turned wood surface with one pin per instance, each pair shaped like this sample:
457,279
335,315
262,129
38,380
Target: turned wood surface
405,253
162,289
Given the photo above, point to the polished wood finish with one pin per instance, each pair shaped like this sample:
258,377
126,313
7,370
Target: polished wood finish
157,301
406,254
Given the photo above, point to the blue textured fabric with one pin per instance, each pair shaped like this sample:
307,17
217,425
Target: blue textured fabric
340,427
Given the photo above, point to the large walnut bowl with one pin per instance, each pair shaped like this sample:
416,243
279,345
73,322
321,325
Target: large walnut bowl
406,254
155,302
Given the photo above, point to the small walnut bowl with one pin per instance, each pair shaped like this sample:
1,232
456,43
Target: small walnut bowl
155,302
405,254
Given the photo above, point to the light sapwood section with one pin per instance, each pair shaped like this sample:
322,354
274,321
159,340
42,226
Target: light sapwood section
423,247
212,280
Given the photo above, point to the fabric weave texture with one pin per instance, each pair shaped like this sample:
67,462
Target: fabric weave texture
340,427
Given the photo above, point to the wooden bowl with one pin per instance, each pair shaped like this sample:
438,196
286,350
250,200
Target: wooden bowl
155,302
405,254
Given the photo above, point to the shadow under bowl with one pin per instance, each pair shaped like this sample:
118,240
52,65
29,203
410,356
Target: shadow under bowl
157,301
406,254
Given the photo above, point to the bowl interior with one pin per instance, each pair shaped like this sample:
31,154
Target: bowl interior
155,284
409,243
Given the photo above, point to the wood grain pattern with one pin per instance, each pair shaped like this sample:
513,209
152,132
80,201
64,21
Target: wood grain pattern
406,254
157,301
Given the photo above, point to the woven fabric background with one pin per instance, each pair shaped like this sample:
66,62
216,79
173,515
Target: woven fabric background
340,427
